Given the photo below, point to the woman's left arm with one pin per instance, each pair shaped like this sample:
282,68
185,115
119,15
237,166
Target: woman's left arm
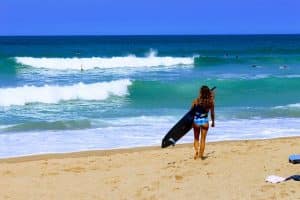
212,114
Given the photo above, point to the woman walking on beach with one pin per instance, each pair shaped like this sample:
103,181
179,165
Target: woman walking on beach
202,105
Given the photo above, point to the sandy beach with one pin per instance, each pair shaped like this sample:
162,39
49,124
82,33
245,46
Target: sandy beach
232,170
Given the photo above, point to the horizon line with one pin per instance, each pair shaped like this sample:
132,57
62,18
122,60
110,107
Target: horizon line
128,35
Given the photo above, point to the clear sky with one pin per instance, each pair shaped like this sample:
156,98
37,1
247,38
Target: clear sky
126,17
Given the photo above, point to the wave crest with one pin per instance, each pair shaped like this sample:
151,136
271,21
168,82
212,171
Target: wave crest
104,63
54,94
289,106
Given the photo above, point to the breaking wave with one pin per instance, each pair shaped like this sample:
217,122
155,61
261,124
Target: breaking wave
132,61
55,93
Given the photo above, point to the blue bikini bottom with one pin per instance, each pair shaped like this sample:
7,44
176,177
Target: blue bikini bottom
201,121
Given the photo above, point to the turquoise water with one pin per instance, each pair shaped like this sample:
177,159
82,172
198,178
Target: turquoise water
75,93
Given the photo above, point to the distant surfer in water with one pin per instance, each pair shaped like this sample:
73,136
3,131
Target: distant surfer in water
202,105
283,67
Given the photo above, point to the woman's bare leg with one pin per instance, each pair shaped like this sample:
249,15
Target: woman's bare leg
196,147
204,130
196,141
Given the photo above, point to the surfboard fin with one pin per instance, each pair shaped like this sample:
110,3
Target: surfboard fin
172,141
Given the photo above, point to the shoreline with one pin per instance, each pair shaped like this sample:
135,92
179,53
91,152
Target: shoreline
52,142
108,152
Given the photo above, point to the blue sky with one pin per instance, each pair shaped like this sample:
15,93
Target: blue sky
119,17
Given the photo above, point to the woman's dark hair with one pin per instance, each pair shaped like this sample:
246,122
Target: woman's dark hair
206,98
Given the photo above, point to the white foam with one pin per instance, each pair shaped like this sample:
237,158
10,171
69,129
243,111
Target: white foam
151,60
138,131
56,93
295,105
293,76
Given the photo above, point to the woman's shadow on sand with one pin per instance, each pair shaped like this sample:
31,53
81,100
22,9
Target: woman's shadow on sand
208,155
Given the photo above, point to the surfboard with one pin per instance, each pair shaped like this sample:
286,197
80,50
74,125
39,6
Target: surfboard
181,128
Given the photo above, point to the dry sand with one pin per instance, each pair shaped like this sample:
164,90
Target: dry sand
232,170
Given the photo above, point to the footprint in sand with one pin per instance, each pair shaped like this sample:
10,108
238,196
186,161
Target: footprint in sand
169,163
147,188
52,174
170,166
268,148
141,191
266,188
293,191
284,194
113,180
45,162
75,169
294,144
7,173
178,177
209,174
153,187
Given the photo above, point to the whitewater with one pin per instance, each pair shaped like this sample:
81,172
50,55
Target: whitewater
103,63
55,94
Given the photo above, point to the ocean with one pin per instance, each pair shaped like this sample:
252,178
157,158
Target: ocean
72,93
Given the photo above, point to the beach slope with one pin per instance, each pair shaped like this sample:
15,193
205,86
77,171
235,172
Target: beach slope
232,170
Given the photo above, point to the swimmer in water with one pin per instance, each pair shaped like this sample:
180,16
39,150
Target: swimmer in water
256,66
283,67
